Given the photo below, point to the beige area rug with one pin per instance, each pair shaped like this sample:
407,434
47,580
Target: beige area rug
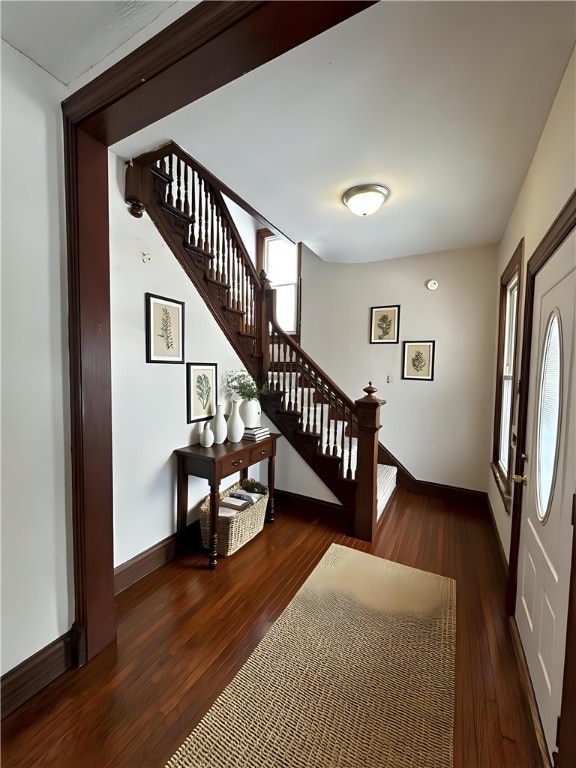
357,672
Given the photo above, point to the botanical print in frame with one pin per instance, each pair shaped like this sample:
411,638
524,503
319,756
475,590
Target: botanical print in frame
201,380
164,329
384,324
418,360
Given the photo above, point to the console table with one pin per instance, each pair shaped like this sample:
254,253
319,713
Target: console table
214,464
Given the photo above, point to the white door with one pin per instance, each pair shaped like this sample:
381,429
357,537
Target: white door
546,529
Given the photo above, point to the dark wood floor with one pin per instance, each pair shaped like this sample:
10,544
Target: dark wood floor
185,631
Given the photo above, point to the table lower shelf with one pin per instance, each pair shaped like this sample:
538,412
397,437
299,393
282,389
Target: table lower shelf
236,530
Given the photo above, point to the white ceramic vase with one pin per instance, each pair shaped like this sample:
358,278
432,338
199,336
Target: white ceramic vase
250,412
235,429
206,436
218,425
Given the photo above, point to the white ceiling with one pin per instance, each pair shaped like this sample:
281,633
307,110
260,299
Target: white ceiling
444,102
68,38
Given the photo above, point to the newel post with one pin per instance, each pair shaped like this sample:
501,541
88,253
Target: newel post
134,189
368,412
264,316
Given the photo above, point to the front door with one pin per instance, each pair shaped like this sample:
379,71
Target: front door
546,527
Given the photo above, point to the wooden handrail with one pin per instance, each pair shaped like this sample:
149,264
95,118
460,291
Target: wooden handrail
321,408
152,157
289,341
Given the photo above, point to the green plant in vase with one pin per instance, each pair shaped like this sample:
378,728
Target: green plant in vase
240,385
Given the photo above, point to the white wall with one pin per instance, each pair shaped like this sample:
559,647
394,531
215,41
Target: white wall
549,183
149,399
36,520
439,430
294,475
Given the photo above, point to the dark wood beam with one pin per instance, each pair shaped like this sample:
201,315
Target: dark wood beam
207,48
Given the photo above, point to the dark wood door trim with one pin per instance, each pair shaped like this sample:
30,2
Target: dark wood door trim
90,391
566,731
211,45
560,229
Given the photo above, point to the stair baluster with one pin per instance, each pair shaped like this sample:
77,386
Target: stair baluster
170,198
321,445
313,399
335,436
178,184
290,378
186,183
342,431
349,466
212,238
218,245
228,239
274,361
206,219
193,240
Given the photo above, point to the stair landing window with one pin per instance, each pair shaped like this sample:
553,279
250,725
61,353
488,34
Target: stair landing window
281,261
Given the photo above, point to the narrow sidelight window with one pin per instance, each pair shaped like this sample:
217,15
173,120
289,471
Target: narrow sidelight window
506,387
507,383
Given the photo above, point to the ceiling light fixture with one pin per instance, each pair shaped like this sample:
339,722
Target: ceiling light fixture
365,199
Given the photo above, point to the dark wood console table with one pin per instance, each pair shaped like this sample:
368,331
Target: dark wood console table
214,464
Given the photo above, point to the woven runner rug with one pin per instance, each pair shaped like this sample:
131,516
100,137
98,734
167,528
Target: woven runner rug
357,672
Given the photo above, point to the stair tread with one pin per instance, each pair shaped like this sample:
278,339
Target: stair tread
177,212
197,250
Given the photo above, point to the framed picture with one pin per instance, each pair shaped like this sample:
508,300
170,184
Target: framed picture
164,329
418,360
384,324
201,395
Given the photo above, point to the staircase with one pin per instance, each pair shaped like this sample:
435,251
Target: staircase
336,436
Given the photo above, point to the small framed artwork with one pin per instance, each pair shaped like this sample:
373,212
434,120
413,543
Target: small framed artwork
201,381
418,360
384,324
164,329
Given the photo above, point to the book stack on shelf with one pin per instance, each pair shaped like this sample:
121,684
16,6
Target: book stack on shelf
237,500
256,433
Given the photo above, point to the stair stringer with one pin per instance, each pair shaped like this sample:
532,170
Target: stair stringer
212,292
327,468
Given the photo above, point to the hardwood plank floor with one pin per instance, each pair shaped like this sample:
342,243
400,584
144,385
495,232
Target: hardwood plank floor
185,631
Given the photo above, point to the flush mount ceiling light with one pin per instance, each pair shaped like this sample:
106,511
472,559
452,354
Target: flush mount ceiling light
365,199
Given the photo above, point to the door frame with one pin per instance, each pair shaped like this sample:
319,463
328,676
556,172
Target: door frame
211,45
561,228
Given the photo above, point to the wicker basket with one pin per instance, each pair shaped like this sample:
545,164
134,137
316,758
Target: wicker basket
236,530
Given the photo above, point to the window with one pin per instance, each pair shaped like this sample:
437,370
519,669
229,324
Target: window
504,438
280,259
507,383
548,417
